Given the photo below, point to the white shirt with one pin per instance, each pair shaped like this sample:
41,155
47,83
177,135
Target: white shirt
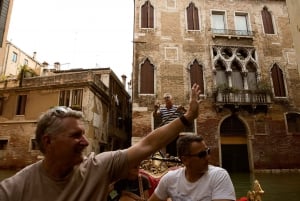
214,184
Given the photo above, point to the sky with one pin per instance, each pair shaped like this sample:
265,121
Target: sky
75,33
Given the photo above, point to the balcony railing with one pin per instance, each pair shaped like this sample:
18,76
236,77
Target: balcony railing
231,32
244,98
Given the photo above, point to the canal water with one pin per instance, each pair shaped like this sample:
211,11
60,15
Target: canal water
277,186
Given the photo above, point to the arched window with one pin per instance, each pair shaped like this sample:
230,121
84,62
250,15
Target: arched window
237,79
147,78
221,76
192,17
267,21
251,76
278,81
147,15
196,75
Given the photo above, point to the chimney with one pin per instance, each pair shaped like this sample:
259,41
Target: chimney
34,55
124,80
45,64
57,66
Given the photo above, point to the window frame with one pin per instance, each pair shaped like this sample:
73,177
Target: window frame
247,20
14,57
140,77
264,25
224,14
281,82
67,98
288,123
21,104
150,15
195,18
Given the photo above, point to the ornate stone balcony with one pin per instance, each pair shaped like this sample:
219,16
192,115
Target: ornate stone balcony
241,98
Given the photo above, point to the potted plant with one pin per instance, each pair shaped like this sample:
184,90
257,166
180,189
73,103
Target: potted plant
26,71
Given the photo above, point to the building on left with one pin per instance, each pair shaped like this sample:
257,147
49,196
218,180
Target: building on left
5,13
98,93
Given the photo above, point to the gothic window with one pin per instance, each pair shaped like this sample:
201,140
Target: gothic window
221,77
147,78
267,21
251,76
293,122
147,15
192,17
196,75
236,76
278,81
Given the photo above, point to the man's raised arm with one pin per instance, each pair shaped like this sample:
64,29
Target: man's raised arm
161,136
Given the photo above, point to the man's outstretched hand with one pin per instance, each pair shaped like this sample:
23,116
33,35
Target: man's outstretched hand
193,110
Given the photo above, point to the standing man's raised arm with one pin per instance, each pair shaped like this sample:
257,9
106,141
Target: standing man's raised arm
161,136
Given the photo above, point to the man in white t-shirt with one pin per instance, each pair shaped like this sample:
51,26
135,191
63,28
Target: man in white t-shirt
197,180
66,175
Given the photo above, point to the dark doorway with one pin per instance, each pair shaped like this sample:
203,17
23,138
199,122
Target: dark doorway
235,157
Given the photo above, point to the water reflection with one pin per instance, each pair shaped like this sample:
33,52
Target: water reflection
277,187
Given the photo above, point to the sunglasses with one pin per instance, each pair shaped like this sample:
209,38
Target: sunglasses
201,154
59,111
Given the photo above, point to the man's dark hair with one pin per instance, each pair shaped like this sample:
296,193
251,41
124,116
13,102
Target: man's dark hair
184,142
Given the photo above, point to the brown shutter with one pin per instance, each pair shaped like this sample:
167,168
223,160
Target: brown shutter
147,78
196,18
278,82
196,75
147,15
189,12
267,21
150,16
192,17
144,16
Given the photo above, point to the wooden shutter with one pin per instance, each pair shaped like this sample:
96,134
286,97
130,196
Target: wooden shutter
147,15
267,21
196,75
147,78
278,82
192,17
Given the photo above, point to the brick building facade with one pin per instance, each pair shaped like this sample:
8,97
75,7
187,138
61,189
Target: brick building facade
98,93
241,53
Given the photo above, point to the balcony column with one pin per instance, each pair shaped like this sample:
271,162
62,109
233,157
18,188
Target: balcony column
229,77
244,74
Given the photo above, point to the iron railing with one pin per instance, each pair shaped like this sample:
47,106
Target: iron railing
244,98
232,32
